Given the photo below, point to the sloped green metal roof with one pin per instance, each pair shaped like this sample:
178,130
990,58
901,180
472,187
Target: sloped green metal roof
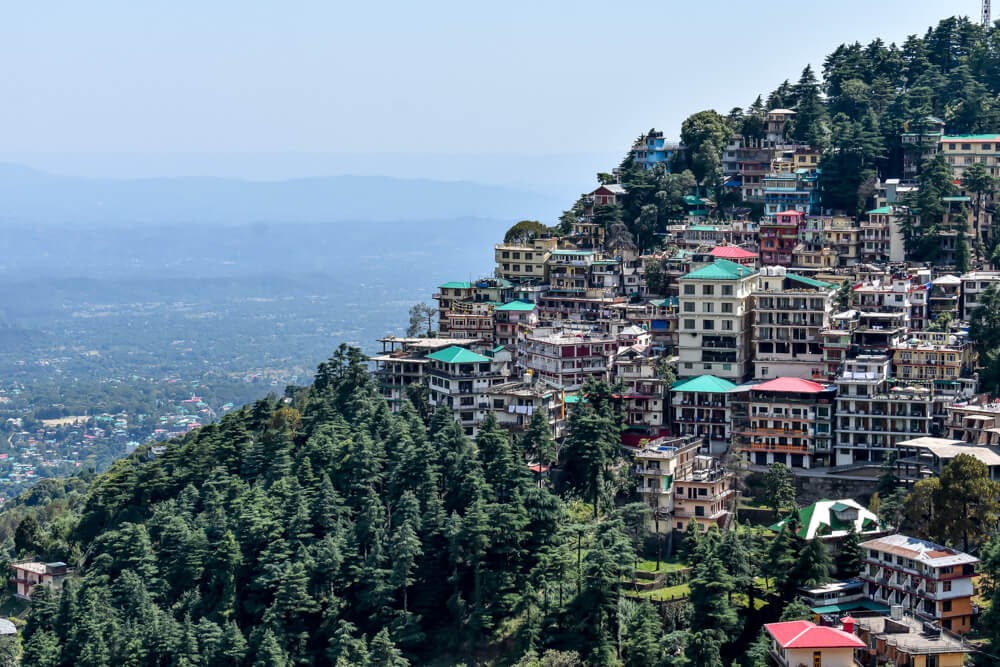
882,210
807,281
457,355
705,384
517,305
720,269
970,137
456,284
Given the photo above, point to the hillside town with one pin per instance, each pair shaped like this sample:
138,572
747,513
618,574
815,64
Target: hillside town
797,336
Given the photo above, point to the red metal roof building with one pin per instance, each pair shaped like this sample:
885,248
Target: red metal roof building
805,643
735,254
788,420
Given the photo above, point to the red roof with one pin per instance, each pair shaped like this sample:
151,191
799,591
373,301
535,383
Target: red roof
732,252
805,634
795,213
790,385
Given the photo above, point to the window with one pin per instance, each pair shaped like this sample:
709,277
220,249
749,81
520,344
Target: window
966,147
708,290
817,659
946,605
689,324
688,365
727,325
707,307
727,290
689,290
727,307
689,306
947,586
708,325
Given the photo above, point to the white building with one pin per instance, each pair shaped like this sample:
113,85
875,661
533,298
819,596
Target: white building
715,321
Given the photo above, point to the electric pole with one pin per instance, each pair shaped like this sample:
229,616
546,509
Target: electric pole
987,14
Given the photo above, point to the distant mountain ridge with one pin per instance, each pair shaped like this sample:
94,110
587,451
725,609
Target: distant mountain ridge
32,196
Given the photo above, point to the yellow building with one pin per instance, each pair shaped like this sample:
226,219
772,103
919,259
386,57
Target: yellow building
522,263
932,356
963,150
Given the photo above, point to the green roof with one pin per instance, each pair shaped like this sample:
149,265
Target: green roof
572,252
457,355
517,305
956,199
703,228
882,210
867,605
720,269
705,384
811,282
691,200
971,137
456,284
575,398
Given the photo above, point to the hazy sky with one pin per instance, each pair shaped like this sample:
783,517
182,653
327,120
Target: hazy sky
222,76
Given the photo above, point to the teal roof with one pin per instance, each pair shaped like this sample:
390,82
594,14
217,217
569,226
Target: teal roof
956,199
720,269
811,282
867,605
882,210
663,303
705,384
457,355
691,200
456,284
572,399
517,305
971,137
703,228
572,252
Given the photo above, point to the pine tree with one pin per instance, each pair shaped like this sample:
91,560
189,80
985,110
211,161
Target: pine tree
849,556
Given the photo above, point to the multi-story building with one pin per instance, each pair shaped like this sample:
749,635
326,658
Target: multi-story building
705,493
652,149
680,486
567,358
874,413
403,361
700,408
974,421
465,309
790,312
754,160
932,581
881,238
658,465
793,191
777,122
922,140
944,297
644,391
778,238
842,235
715,319
515,403
837,343
28,574
902,639
460,379
973,285
512,321
523,262
963,150
925,456
790,421
943,358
